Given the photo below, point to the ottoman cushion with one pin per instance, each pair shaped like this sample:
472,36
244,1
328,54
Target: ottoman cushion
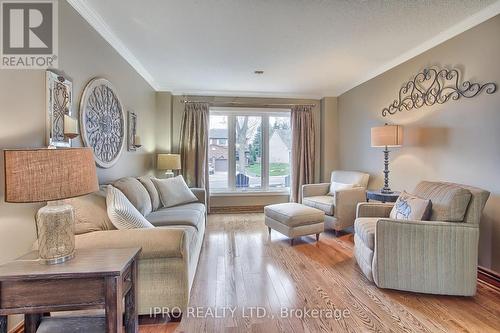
294,214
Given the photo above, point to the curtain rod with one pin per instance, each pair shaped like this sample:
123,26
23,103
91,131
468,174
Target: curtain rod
250,105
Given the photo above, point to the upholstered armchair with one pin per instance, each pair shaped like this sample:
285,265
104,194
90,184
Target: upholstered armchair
437,256
340,206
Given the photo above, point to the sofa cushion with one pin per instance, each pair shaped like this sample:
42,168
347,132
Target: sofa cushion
174,191
136,193
449,201
122,213
294,214
326,203
191,215
90,213
411,207
153,192
364,228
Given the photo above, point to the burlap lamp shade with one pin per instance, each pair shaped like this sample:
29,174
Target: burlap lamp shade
50,175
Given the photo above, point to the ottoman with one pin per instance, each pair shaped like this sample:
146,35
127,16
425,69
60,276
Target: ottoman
294,220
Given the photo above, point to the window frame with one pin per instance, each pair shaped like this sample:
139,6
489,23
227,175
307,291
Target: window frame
231,113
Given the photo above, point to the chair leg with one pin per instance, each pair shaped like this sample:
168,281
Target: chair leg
291,241
269,230
317,237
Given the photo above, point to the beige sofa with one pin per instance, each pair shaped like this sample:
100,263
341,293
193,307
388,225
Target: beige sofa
437,256
340,209
170,252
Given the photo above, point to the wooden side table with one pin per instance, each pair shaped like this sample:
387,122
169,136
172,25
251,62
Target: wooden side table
94,279
383,197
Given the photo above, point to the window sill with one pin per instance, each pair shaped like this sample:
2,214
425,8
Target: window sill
250,193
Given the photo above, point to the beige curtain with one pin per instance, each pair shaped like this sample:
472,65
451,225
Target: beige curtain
302,165
194,144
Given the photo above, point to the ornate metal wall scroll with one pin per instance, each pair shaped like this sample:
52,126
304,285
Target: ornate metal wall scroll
59,98
102,122
435,86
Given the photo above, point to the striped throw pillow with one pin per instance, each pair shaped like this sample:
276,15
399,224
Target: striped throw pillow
122,213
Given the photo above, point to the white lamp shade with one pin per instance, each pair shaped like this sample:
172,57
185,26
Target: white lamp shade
168,162
387,136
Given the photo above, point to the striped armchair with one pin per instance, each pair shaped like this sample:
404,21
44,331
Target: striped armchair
437,256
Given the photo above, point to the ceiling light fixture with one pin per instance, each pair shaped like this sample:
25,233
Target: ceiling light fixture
258,72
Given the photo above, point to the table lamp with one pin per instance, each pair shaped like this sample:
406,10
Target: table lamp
168,162
387,136
51,175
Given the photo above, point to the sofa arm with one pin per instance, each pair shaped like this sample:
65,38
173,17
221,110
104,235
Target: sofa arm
200,194
426,256
313,190
160,242
374,209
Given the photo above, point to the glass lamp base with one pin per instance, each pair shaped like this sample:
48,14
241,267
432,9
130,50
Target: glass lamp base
56,232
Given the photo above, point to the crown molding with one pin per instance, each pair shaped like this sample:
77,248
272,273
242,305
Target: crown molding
464,25
96,21
237,93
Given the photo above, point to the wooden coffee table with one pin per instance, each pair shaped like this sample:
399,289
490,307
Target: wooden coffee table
94,279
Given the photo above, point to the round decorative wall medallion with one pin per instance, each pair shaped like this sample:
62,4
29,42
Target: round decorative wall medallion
102,122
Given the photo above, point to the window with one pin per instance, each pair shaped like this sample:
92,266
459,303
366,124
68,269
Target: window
217,153
249,150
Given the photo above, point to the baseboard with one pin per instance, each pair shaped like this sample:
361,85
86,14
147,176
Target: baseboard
489,277
237,209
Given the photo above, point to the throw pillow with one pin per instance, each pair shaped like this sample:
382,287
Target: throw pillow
136,193
122,213
411,207
153,193
334,187
174,191
90,213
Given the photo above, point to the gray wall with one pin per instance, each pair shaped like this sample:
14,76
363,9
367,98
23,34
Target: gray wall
457,141
329,153
83,54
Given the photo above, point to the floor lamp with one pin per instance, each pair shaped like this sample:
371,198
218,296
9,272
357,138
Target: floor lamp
387,136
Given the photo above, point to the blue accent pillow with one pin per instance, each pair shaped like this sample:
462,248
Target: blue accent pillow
411,207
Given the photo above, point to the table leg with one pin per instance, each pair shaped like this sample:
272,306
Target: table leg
113,307
3,324
131,315
31,322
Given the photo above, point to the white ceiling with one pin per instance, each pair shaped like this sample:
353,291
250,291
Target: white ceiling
307,48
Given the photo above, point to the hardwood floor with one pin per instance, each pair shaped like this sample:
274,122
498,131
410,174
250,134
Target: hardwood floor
242,267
